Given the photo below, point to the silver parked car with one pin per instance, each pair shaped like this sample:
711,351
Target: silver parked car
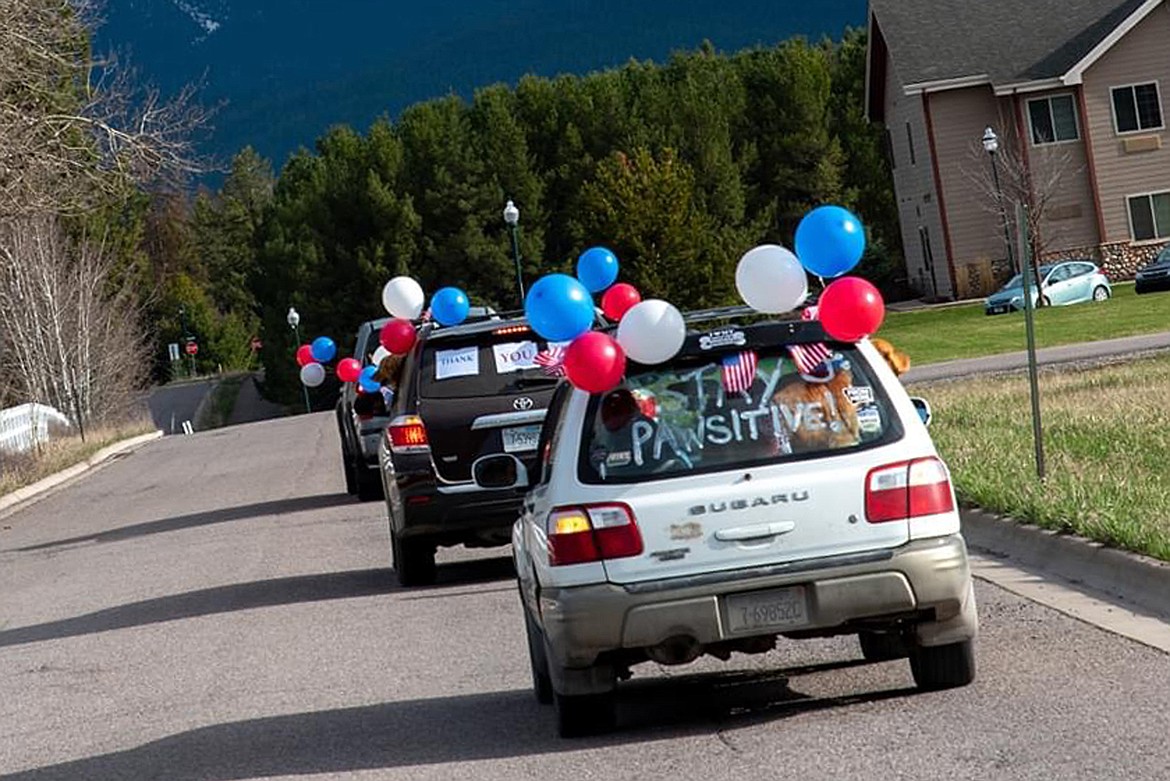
1069,282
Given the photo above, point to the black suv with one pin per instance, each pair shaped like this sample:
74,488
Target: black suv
466,392
361,418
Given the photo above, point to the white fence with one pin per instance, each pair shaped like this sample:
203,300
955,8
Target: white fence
24,426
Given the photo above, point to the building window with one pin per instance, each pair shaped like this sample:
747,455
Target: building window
1137,107
910,144
1149,216
1053,119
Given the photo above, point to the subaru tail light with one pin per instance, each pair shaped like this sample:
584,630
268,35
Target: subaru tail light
595,532
407,434
908,489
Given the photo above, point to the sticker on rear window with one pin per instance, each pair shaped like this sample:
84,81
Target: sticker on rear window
515,356
859,394
463,362
869,420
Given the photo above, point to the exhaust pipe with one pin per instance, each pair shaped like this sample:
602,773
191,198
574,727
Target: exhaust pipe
680,649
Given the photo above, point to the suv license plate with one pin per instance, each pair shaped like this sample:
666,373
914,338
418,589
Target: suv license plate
781,608
521,439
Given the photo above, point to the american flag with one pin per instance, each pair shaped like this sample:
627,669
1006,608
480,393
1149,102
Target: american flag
808,357
739,371
552,360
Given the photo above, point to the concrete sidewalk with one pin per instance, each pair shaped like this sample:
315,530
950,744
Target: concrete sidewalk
1126,347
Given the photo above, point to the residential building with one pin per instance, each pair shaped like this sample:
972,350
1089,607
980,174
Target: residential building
1075,92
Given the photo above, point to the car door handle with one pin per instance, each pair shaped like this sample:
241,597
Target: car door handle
757,531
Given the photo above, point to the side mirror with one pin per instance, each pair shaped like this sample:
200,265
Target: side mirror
922,407
499,471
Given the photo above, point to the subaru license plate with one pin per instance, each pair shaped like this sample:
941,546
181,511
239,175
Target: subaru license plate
521,439
781,608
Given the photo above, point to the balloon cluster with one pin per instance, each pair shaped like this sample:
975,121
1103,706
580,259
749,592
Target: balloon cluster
560,308
310,358
830,241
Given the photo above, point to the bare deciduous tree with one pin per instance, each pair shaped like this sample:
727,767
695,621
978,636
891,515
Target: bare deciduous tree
74,129
1030,187
70,339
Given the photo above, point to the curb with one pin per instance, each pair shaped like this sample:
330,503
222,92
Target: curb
1139,581
23,496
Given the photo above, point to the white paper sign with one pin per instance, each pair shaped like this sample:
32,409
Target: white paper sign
515,356
463,362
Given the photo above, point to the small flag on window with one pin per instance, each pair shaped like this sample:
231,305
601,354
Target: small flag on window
552,360
809,357
739,371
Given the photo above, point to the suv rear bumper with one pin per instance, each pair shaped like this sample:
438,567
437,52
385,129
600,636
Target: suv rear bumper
418,508
927,581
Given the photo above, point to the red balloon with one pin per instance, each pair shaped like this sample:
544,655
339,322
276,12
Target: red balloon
348,369
618,299
851,309
595,362
305,355
398,336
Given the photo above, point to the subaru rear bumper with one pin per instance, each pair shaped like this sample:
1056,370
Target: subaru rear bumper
925,582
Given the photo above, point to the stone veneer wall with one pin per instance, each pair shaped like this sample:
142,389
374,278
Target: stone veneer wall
1119,260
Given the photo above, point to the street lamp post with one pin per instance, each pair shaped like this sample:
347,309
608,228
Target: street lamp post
294,322
187,338
512,217
991,144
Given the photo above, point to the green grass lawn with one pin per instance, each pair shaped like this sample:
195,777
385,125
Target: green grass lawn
944,334
1106,442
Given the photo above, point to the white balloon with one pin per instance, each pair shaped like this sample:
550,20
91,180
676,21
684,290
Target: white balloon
312,374
380,355
652,332
403,297
770,279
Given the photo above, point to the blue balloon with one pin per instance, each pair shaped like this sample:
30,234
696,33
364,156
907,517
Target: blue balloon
830,241
559,308
323,349
366,380
450,306
597,268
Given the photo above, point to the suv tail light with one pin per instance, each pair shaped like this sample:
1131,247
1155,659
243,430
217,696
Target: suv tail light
594,532
908,489
407,434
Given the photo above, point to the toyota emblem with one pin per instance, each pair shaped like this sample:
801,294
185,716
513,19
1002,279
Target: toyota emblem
523,404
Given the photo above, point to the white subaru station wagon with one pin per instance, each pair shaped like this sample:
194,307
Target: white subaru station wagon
764,482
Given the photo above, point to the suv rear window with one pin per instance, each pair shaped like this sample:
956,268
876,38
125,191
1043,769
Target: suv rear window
693,417
484,365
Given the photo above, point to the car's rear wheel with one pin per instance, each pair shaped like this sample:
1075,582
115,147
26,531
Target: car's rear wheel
538,661
943,666
1100,293
586,714
414,560
882,646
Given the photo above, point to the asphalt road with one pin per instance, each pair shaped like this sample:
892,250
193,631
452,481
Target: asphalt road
216,607
170,405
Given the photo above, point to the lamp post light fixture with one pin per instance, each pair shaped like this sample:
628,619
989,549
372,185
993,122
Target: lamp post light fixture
512,218
991,146
294,322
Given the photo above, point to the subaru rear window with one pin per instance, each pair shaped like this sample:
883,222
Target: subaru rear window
740,410
503,364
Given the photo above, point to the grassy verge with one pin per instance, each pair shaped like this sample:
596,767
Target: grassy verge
218,410
1106,442
944,334
22,469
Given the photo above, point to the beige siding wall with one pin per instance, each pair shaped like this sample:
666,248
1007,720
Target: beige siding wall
1063,170
914,186
1143,55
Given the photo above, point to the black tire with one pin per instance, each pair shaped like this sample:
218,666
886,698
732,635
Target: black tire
882,646
586,714
1103,291
944,666
369,483
351,483
414,561
538,661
